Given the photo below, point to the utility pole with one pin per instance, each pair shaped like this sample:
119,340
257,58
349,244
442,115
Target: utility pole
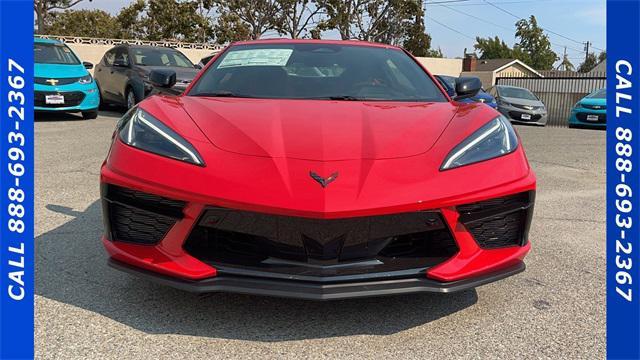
586,49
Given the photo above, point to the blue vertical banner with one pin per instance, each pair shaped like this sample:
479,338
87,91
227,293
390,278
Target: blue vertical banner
623,181
16,179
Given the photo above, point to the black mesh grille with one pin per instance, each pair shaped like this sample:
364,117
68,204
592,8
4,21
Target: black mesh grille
72,98
602,118
138,226
517,115
257,241
594,107
137,217
499,222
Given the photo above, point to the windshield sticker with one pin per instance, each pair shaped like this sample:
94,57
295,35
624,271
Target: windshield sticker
256,57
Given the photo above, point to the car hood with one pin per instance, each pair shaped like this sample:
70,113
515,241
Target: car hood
520,101
319,130
59,71
593,101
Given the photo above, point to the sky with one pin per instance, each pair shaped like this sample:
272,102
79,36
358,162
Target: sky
454,24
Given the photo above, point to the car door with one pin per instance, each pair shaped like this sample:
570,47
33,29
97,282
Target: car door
102,75
120,74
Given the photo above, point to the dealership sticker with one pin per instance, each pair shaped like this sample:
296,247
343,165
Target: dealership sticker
16,180
623,182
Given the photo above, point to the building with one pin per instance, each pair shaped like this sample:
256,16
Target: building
489,69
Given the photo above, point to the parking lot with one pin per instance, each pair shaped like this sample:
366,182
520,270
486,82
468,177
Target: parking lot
555,309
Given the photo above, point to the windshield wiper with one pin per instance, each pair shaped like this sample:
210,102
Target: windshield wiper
222,94
335,97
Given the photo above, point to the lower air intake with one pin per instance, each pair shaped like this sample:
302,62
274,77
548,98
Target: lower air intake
137,217
500,222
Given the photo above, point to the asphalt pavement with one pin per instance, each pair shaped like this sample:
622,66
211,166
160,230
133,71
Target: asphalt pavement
84,309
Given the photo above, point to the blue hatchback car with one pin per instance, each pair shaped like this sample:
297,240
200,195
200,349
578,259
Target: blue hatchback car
590,111
62,82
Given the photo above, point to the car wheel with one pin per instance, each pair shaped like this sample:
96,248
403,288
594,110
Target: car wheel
89,114
131,99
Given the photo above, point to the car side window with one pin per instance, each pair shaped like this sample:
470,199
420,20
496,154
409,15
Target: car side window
122,56
109,57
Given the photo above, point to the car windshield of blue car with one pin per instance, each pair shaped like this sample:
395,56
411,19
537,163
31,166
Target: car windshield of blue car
518,93
49,53
160,57
318,71
598,94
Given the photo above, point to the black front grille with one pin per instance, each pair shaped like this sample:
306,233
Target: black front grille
517,115
55,81
71,98
137,217
265,242
499,222
602,118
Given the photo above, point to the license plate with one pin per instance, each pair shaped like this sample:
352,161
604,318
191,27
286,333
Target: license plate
592,117
54,99
525,117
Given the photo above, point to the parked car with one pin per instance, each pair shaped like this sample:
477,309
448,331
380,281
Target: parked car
123,74
340,169
204,61
520,105
61,82
449,83
590,111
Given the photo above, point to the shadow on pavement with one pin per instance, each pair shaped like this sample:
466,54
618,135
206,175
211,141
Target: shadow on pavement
64,116
71,268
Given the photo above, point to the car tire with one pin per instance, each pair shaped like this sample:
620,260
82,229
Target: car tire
87,115
130,98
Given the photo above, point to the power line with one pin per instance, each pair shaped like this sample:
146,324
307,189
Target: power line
450,28
545,29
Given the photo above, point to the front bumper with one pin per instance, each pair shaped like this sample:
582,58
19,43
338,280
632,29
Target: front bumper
515,115
578,118
78,97
317,291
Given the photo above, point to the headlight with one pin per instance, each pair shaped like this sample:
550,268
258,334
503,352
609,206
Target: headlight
141,130
503,103
494,139
85,80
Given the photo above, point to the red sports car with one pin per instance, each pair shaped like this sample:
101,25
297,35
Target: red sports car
316,170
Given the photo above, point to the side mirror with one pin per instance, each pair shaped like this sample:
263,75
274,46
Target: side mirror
467,87
87,65
163,78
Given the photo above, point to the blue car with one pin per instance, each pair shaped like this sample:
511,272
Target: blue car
62,82
449,83
590,111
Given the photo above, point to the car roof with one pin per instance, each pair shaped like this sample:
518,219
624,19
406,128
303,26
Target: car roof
316,41
47,41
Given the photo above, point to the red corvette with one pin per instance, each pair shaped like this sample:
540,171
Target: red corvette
316,170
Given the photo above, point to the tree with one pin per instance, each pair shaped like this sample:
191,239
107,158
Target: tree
566,64
43,8
358,19
297,15
535,44
603,56
493,48
588,64
91,23
253,16
130,21
175,20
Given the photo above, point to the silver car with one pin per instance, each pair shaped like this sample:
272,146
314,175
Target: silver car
519,105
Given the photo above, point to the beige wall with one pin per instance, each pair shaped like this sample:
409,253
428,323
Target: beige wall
440,66
93,52
515,70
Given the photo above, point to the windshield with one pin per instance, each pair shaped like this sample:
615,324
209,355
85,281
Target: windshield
317,71
518,93
49,53
160,57
598,94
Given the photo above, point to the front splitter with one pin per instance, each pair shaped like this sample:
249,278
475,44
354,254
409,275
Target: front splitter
317,291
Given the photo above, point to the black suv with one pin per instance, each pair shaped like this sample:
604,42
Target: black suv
126,73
